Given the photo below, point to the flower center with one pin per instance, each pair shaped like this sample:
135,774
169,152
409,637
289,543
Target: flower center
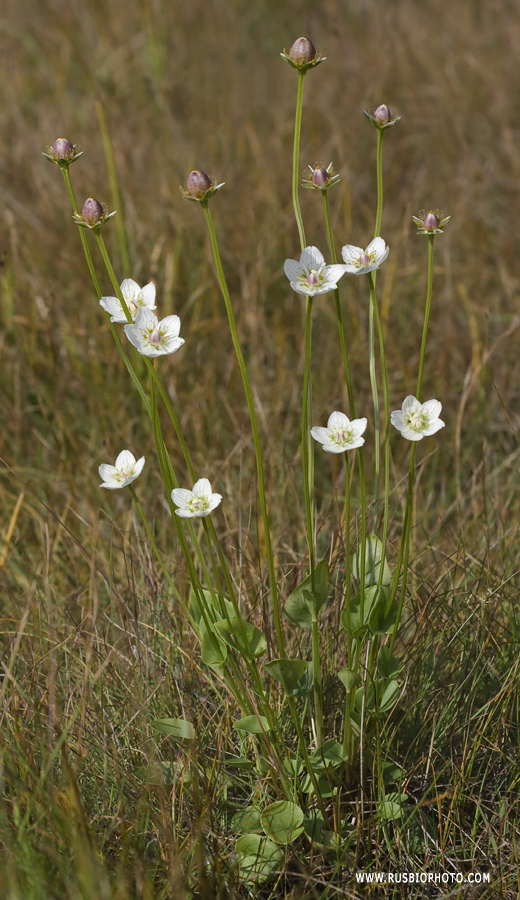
417,421
341,435
198,504
155,336
364,259
124,473
313,277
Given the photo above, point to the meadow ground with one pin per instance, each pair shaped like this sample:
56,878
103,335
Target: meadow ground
95,803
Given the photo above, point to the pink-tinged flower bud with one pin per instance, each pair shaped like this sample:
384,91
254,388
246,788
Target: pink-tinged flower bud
319,176
198,184
431,222
302,52
92,212
382,115
63,149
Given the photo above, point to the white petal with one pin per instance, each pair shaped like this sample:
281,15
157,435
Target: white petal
433,427
410,434
125,460
292,269
410,405
334,273
145,318
379,248
202,488
214,501
138,468
170,325
107,472
397,419
338,420
133,334
351,255
432,408
320,434
170,345
311,258
185,513
112,306
181,496
148,295
334,448
130,289
356,442
358,427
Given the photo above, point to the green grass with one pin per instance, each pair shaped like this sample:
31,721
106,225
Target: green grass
95,803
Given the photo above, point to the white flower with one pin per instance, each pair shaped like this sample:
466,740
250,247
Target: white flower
359,261
135,297
311,275
417,420
198,502
124,472
154,338
340,434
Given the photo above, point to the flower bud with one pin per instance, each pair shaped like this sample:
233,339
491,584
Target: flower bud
431,222
200,187
63,149
198,184
320,179
302,52
382,115
319,176
92,212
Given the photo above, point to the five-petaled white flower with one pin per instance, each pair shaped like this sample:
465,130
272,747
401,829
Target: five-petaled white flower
417,420
359,261
198,502
124,472
311,275
135,298
154,338
340,434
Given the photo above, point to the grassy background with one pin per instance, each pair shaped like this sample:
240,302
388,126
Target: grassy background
94,647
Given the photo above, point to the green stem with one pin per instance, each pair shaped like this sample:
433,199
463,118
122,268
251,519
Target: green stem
296,159
426,314
379,169
254,425
386,402
375,400
404,549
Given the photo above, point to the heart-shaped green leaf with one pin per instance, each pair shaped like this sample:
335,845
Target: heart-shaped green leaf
213,650
391,807
374,559
329,756
299,608
242,636
175,728
289,672
282,821
253,724
387,664
349,678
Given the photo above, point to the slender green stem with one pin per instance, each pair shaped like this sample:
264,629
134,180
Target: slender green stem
296,159
386,403
254,425
306,442
375,401
426,314
404,549
379,169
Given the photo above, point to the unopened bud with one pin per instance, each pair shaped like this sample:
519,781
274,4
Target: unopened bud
302,52
200,187
92,211
63,149
198,184
431,222
319,176
382,115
